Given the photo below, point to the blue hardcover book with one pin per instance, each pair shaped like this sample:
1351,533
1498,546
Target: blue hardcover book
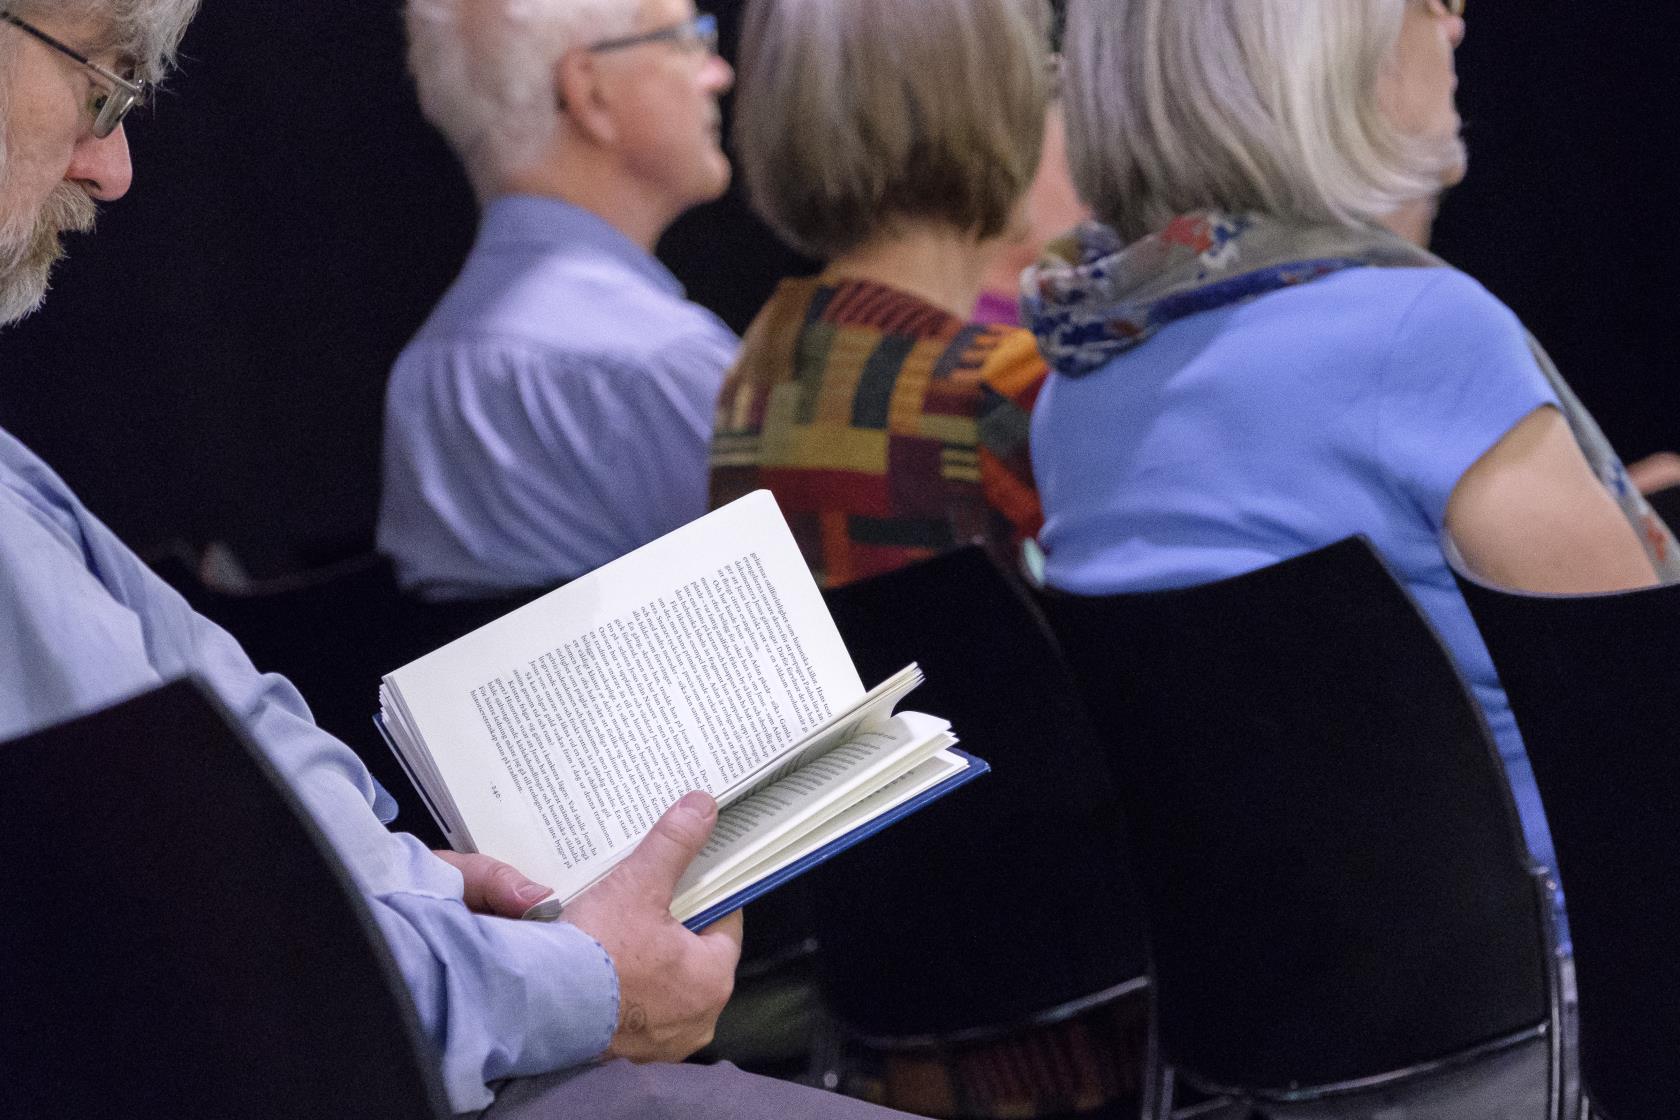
773,878
554,737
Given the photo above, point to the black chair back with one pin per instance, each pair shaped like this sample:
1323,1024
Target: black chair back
1334,874
176,938
1006,901
1592,680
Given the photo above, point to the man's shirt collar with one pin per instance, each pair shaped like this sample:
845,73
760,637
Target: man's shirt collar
548,223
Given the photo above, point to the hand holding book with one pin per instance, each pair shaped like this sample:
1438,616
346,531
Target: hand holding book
500,890
672,983
555,737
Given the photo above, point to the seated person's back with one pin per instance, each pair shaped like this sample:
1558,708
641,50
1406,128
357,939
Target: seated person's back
888,426
1255,432
554,412
888,429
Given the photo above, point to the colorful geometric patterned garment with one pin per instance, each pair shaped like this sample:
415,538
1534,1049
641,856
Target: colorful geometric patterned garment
888,429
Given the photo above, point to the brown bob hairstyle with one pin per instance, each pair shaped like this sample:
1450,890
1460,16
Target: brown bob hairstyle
854,116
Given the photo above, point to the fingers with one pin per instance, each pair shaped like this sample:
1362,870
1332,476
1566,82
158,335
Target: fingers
1655,472
723,939
666,851
490,886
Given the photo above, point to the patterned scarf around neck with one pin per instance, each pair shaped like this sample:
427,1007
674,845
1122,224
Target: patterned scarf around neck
1093,297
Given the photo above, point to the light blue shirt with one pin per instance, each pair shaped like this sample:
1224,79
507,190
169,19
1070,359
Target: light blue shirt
83,624
1249,434
554,413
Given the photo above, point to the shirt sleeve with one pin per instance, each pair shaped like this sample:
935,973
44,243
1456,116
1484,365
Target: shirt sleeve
88,625
1458,377
662,429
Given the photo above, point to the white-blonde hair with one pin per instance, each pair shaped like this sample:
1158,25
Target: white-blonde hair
1270,106
852,114
485,72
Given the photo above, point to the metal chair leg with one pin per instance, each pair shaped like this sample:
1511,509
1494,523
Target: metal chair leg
1156,1098
827,1064
1563,1046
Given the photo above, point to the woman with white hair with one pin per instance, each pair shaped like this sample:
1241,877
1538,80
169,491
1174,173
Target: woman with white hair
1250,363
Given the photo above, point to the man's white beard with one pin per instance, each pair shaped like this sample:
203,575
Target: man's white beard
30,249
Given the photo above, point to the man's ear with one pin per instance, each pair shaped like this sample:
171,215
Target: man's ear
580,98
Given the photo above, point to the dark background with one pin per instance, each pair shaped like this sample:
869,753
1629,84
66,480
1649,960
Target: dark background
211,365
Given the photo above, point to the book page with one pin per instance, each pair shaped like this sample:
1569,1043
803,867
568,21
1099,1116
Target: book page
873,710
754,827
843,820
564,729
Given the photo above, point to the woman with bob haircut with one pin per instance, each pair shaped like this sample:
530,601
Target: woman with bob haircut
894,141
1250,364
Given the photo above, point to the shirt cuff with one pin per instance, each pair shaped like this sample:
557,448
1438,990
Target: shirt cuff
571,999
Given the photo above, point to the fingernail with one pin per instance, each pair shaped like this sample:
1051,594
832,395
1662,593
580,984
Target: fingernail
699,803
544,911
531,892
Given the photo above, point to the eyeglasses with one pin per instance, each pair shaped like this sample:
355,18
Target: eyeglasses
699,33
109,106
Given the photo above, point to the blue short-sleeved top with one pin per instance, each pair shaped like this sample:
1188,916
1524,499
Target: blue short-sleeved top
1255,432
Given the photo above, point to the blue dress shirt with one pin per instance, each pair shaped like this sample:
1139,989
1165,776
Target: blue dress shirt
84,624
554,412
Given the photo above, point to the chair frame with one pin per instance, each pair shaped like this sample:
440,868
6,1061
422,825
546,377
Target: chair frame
1162,1078
1475,586
1566,1102
971,578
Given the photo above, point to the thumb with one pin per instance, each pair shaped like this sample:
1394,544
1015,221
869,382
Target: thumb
666,851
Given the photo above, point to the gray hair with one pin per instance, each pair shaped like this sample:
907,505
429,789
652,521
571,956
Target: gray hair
1242,105
145,33
852,116
485,72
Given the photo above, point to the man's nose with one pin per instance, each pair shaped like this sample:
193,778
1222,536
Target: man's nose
720,76
101,166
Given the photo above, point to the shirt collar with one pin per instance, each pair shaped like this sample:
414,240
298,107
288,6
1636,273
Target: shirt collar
530,220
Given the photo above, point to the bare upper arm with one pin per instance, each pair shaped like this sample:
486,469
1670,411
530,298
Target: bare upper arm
1529,514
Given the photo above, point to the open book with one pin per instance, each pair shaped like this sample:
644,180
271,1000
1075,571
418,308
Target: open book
554,737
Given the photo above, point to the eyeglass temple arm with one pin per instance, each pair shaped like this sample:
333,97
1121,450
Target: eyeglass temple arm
30,29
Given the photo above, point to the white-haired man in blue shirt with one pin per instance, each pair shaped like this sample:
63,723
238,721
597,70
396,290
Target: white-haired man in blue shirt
555,411
582,1017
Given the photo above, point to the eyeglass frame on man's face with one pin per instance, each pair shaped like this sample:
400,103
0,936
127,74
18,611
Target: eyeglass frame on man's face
701,30
109,108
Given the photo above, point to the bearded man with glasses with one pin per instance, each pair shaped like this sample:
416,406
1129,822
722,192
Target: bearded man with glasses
555,411
62,148
585,1016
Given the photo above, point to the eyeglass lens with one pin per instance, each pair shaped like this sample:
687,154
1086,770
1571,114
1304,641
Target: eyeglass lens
110,109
